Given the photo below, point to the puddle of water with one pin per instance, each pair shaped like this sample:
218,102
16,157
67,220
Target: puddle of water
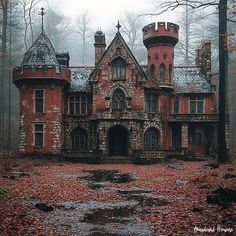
98,218
103,175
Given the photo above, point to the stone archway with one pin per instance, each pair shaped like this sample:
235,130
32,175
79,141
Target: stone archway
118,141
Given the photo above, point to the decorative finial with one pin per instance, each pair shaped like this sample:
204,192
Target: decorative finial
42,13
118,26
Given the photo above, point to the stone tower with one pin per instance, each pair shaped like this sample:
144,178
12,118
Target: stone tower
42,80
160,39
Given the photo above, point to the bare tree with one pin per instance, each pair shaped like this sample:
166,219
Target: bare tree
84,31
57,27
29,10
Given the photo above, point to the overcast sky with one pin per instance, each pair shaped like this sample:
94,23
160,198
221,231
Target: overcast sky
105,13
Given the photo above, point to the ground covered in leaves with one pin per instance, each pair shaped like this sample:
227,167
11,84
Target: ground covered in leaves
45,198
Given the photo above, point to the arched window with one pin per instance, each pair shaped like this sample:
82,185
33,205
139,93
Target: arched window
79,139
162,73
152,72
118,68
151,139
170,73
118,100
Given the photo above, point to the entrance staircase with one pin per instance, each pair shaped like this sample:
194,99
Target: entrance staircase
116,160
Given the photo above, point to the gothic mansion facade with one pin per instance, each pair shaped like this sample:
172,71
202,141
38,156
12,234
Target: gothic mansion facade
116,107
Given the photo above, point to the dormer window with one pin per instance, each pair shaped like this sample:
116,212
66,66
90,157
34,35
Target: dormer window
118,68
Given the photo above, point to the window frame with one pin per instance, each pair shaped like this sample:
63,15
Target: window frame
120,101
176,105
38,133
77,104
39,101
152,71
162,72
151,139
194,102
118,68
80,139
151,102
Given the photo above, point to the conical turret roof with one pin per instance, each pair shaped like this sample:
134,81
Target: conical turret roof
41,52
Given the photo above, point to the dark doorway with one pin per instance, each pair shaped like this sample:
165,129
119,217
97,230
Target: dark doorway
176,137
118,141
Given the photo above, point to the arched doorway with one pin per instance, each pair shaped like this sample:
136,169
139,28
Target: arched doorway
118,141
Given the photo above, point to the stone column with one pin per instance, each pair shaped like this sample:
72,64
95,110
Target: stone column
184,135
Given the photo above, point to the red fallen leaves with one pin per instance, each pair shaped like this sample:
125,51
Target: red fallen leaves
54,183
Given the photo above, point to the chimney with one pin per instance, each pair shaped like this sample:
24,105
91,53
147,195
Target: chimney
204,57
100,45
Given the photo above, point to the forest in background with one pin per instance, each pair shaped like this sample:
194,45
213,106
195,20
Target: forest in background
20,25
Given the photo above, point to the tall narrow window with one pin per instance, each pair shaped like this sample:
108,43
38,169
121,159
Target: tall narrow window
77,105
151,102
176,104
151,139
38,101
196,104
152,71
162,73
118,68
118,100
170,73
79,139
38,135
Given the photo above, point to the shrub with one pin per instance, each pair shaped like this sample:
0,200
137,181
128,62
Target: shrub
2,191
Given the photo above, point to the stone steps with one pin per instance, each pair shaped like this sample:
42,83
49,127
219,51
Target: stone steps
116,160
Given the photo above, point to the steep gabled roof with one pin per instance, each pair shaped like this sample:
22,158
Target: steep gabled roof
118,36
41,53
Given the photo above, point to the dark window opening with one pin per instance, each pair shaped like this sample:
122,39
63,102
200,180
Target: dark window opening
152,72
77,105
118,100
151,139
38,135
118,68
162,73
151,102
170,73
79,139
176,104
196,104
39,101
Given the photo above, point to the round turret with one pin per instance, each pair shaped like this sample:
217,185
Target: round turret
160,32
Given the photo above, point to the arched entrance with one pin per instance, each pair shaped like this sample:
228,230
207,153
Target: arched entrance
118,141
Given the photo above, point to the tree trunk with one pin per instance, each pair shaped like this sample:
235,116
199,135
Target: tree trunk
223,77
3,72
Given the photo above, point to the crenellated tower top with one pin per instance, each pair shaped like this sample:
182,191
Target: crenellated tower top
160,32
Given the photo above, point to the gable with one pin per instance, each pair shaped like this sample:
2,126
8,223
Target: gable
117,48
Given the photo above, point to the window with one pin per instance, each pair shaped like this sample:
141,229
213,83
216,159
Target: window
151,139
79,139
162,73
152,72
77,105
118,68
38,94
196,136
151,102
118,100
170,73
38,135
196,104
176,104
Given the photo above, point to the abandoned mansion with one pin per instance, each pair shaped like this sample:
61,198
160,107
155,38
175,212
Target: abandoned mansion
117,107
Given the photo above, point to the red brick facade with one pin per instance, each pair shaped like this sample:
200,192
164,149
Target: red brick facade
117,107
